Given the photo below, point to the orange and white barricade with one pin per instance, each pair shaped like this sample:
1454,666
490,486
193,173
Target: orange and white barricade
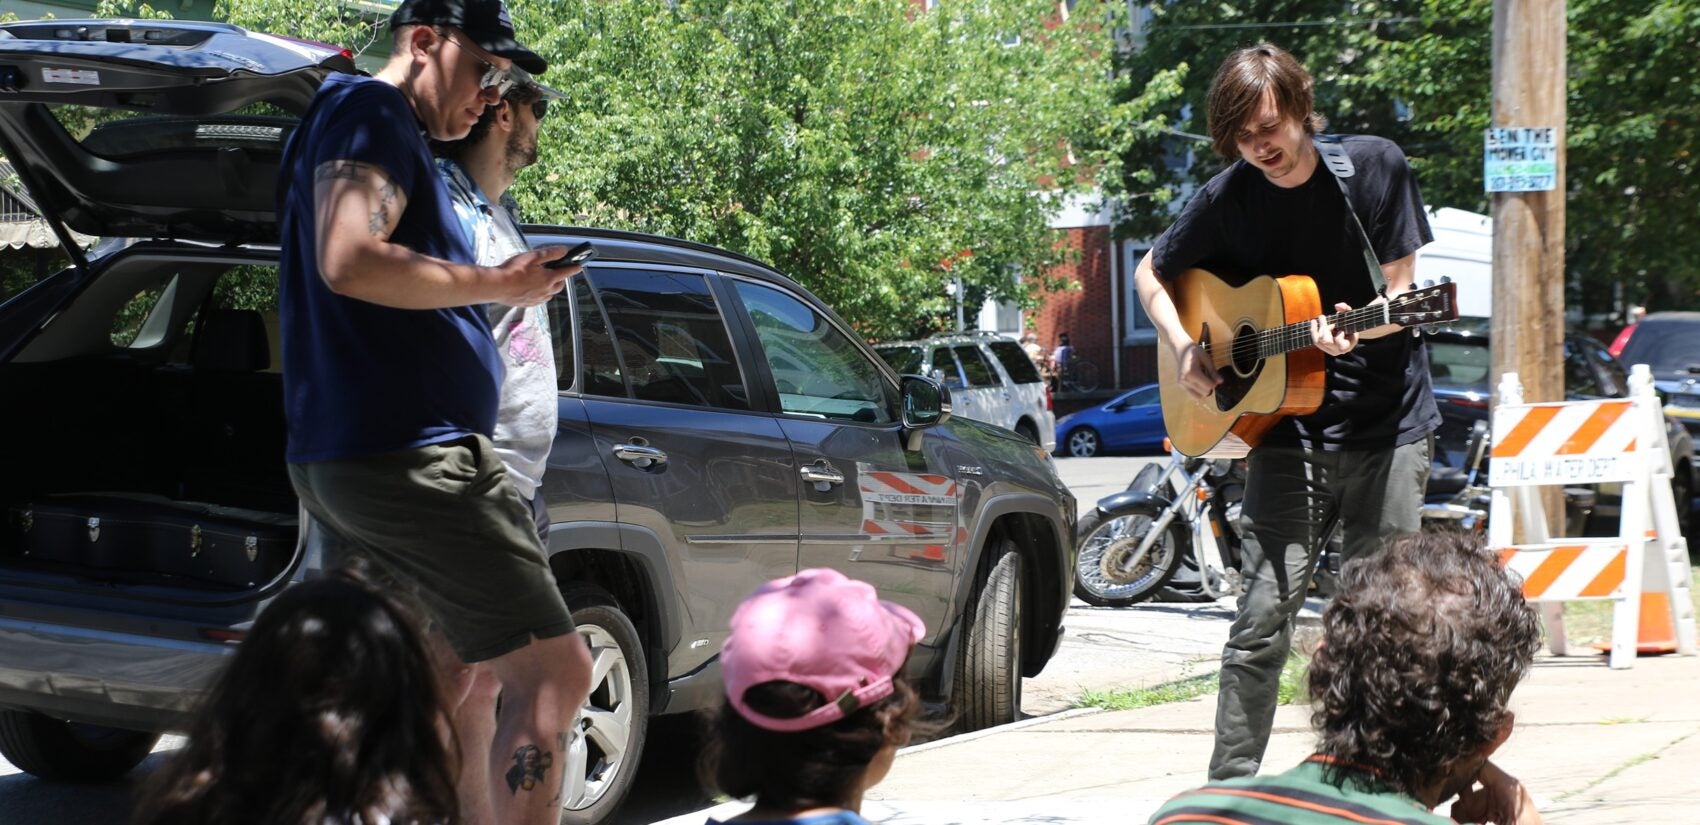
1589,442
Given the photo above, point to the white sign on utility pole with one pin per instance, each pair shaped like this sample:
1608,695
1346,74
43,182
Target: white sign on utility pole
1520,160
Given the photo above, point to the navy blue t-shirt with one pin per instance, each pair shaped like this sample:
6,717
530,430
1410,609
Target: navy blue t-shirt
359,378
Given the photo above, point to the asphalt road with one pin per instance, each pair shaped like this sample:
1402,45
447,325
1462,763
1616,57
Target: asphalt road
1103,649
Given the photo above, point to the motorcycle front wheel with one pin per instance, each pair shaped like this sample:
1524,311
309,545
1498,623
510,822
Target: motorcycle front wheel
1106,540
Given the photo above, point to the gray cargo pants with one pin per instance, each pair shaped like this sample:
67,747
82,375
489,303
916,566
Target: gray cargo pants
1292,497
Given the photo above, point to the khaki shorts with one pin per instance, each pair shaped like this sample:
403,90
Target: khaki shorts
443,525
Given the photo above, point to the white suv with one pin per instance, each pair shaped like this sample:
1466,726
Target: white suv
991,379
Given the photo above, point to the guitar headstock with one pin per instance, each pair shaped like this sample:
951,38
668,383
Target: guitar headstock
1435,304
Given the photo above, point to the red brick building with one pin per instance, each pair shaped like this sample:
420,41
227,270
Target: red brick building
1105,323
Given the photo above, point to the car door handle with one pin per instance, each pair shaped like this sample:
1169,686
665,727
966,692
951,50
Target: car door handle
821,474
639,455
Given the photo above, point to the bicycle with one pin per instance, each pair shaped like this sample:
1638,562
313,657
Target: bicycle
1078,375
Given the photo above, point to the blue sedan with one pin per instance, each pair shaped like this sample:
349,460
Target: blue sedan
1131,423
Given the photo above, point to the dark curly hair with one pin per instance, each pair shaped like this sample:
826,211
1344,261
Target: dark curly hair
328,713
816,768
1420,652
1240,84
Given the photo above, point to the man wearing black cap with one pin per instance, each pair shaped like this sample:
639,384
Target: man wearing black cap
391,382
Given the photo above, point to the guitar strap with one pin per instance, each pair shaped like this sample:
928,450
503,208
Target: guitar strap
1340,165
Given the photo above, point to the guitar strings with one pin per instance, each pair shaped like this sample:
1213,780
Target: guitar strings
1289,337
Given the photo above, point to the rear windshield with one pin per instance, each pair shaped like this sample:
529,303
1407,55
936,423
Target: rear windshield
1015,362
906,360
1664,346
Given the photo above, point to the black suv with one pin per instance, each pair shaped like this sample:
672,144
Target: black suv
719,427
1461,364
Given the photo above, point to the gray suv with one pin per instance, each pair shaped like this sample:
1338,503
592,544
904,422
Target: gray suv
719,427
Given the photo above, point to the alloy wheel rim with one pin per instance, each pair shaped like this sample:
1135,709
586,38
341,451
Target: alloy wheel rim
602,731
1083,444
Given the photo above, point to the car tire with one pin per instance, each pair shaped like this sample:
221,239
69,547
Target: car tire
60,751
1083,442
1099,532
1026,430
987,690
602,762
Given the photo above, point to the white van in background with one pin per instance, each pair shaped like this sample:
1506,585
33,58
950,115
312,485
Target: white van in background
1462,251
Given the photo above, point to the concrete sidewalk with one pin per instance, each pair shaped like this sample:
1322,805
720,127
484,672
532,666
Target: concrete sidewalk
1595,746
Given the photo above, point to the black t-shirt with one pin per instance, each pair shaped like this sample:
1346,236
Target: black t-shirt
1239,225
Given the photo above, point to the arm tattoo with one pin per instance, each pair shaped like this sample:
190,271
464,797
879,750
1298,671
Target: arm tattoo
531,766
380,219
340,170
384,209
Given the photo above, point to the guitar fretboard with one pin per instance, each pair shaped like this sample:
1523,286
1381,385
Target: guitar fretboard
1284,339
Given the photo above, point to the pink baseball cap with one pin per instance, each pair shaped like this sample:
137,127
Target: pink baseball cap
822,630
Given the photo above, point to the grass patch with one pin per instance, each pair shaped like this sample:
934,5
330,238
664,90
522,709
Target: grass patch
1632,762
1589,622
1294,673
1180,690
1624,720
1290,692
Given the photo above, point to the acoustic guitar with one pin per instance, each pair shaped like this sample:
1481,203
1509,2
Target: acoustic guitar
1258,337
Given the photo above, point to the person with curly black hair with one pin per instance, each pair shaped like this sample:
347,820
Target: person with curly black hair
1409,689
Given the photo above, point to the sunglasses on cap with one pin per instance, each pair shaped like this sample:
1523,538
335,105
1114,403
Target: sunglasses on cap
493,78
539,108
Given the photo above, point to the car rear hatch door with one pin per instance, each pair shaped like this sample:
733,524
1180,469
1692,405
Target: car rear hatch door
154,129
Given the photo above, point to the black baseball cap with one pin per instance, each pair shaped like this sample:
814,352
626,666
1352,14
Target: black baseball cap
484,22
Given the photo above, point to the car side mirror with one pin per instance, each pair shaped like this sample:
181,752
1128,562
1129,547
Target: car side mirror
926,403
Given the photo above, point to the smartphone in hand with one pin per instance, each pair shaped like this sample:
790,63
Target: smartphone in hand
575,256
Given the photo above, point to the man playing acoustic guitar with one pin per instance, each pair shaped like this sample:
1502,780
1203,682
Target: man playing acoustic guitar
1361,460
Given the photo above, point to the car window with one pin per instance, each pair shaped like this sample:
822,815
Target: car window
134,314
1021,369
817,369
1578,374
949,372
1141,397
974,367
1459,363
600,374
905,360
672,343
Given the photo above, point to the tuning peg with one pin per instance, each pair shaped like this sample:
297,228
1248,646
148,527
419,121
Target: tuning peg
1446,279
1428,284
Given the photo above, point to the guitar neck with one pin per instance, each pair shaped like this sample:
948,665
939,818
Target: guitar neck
1284,339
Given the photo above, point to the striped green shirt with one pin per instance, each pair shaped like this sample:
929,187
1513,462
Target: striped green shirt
1298,797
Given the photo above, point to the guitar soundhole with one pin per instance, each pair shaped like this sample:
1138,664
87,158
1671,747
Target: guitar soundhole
1242,369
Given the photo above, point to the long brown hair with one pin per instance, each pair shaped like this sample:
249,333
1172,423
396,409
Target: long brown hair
328,713
1240,84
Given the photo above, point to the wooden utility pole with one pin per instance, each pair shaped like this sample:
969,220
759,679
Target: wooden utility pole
1528,227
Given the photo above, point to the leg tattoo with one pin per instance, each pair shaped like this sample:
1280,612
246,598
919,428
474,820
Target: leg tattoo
530,765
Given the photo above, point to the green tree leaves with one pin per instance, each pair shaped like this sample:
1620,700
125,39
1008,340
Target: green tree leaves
871,150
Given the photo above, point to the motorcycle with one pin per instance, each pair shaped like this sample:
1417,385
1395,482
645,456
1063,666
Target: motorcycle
1460,498
1135,542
